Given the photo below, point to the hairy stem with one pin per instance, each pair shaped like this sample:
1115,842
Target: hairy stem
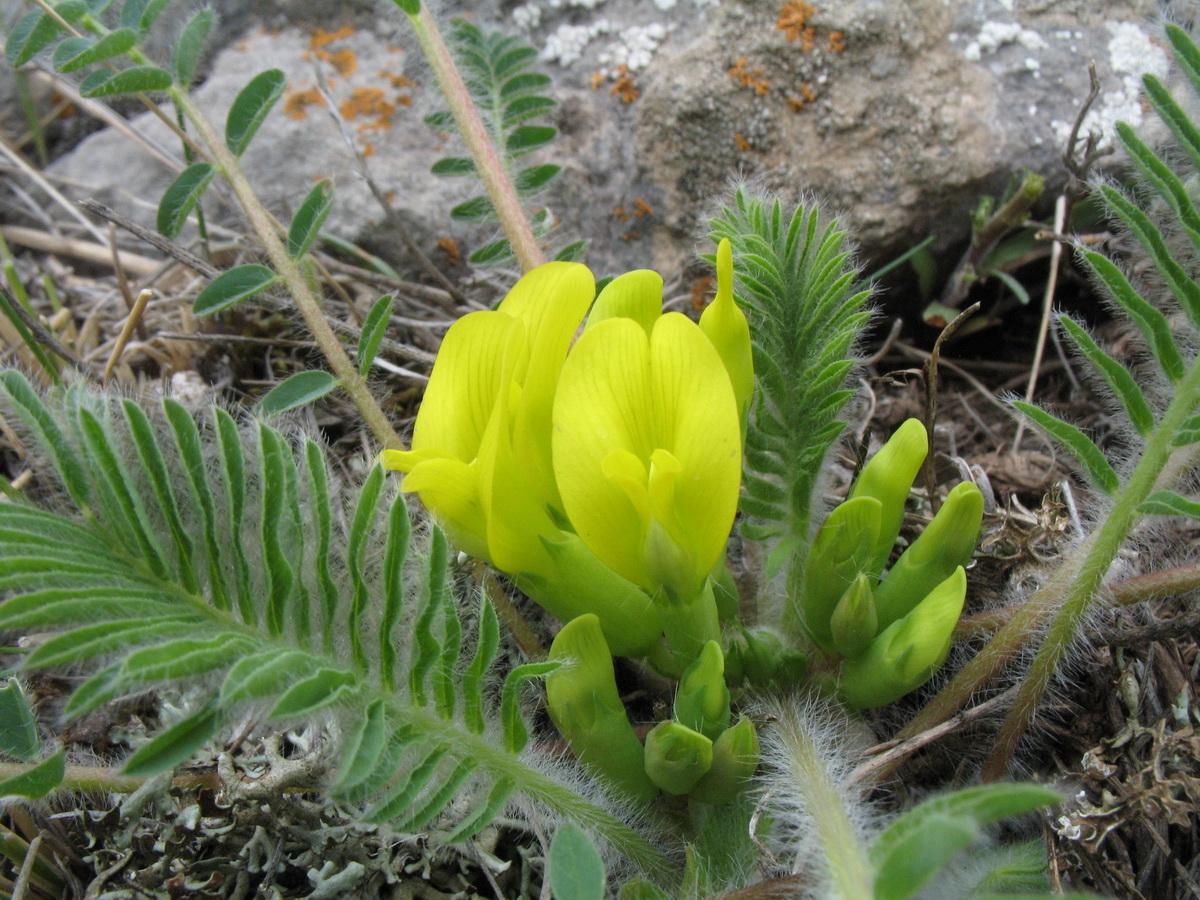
488,163
850,873
1099,556
289,271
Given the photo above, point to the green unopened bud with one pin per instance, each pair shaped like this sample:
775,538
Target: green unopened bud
702,702
844,548
584,705
677,757
888,477
577,582
760,658
854,622
946,543
906,653
735,757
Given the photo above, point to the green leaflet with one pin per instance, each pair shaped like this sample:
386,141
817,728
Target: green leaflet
1078,444
574,866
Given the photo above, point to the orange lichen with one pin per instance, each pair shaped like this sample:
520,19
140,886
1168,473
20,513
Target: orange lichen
796,104
641,208
621,214
793,19
807,91
322,38
701,291
397,81
368,103
747,78
742,144
597,80
624,87
450,252
837,42
296,103
344,62
368,150
808,39
631,236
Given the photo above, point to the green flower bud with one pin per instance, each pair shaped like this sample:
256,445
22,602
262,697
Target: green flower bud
677,757
584,705
702,702
888,477
735,757
906,653
946,543
854,622
844,548
760,658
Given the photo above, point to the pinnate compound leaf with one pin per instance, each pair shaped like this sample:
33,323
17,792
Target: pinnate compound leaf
1078,444
266,673
250,108
18,730
182,196
296,391
136,80
175,745
232,287
575,867
184,658
374,327
37,781
1169,503
309,218
74,53
190,46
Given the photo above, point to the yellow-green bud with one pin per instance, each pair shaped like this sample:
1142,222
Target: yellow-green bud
702,702
946,543
906,653
854,622
584,705
761,658
844,548
677,757
735,757
888,477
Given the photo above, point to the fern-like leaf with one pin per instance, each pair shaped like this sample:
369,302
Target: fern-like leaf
201,551
807,311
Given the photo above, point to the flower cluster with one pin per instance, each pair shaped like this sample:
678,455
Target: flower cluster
602,472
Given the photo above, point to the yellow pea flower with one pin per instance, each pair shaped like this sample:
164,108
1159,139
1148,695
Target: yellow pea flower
481,454
647,448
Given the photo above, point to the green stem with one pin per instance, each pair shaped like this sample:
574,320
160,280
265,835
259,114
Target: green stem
483,150
289,271
1099,554
850,871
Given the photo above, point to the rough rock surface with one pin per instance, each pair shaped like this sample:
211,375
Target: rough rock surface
900,114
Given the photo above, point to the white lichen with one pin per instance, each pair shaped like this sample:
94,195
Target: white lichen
635,48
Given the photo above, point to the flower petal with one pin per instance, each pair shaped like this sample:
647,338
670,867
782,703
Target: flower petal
636,295
551,300
449,488
696,418
603,407
476,358
725,324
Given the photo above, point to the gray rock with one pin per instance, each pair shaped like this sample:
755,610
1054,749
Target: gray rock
899,114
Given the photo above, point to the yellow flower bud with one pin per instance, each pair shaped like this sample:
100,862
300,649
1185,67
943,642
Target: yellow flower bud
854,622
702,701
888,477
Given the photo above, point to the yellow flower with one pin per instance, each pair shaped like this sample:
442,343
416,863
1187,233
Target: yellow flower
647,441
480,457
